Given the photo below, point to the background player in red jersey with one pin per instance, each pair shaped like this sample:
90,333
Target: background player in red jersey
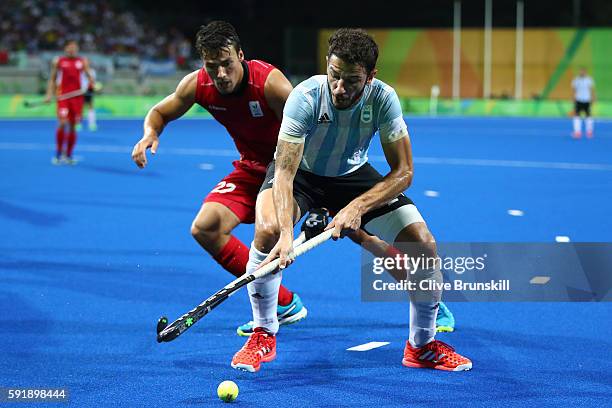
69,68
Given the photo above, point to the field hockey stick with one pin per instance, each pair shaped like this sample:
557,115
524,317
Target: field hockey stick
301,245
63,97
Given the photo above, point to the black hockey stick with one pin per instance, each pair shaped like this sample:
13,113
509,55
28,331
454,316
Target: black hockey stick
313,227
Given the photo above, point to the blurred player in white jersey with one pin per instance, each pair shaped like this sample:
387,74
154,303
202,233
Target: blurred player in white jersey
584,97
88,98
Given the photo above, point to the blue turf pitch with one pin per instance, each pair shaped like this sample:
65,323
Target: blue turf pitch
92,255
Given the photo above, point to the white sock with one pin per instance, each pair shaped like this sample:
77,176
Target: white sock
589,124
263,293
91,118
577,124
424,308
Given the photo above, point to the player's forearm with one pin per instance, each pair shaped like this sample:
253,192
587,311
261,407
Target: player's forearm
282,193
393,184
171,107
399,157
51,87
51,84
154,122
288,157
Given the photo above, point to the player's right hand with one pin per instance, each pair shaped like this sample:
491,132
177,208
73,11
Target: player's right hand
139,153
281,250
47,98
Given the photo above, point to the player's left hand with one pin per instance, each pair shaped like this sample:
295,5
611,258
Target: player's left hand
348,219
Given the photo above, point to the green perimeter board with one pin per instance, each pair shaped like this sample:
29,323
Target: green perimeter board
11,106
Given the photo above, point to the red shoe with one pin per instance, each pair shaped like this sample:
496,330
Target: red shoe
589,134
437,355
577,135
261,346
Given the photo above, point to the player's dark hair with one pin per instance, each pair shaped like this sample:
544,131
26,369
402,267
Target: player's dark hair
355,46
215,36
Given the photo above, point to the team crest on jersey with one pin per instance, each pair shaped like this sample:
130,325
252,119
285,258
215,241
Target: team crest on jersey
78,64
256,110
366,114
356,158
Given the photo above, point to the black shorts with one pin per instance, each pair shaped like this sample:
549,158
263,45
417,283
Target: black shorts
582,107
334,193
88,97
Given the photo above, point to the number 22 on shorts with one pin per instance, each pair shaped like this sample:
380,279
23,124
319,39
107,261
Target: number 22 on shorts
224,187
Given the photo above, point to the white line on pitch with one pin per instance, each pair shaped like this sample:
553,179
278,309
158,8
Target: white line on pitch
122,149
431,193
539,280
505,163
368,346
418,160
562,238
516,213
513,163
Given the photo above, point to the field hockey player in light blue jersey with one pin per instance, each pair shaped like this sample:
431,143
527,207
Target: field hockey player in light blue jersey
321,161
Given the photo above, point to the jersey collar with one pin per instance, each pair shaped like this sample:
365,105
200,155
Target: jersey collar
245,79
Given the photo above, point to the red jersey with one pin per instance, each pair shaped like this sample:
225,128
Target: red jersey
69,71
245,114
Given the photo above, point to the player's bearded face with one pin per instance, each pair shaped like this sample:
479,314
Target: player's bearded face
346,81
225,68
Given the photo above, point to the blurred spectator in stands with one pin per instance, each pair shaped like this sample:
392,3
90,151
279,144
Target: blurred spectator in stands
4,56
39,25
184,53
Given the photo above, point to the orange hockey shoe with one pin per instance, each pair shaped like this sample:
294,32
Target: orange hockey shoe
437,355
261,346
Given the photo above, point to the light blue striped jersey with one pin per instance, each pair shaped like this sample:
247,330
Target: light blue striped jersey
336,141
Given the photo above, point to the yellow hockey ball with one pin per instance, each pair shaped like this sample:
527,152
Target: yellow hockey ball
227,391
